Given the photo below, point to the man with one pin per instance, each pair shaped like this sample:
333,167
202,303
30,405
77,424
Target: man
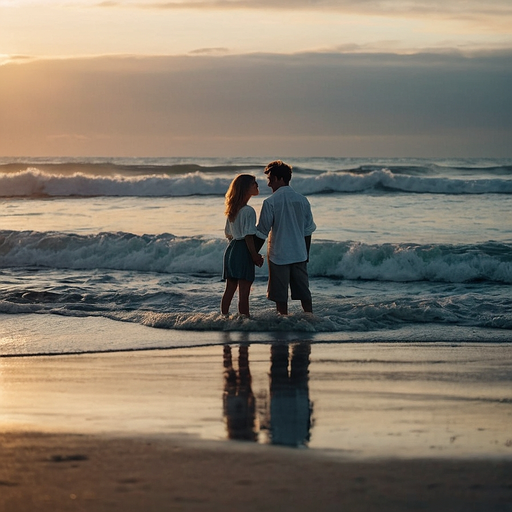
287,216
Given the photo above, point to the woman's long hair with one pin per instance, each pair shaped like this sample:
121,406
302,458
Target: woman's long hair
237,195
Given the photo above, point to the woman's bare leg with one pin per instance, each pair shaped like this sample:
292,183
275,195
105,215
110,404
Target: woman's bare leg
244,289
227,297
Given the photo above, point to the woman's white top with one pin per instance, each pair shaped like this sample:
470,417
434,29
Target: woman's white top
243,225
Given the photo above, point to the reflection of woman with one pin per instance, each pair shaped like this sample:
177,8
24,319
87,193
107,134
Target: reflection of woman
241,254
239,403
290,407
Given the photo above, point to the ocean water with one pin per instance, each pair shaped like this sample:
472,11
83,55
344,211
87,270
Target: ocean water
412,249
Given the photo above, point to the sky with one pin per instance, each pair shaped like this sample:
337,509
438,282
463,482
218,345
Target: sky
389,78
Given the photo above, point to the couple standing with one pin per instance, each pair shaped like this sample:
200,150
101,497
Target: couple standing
287,216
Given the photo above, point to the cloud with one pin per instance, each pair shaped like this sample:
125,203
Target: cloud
7,59
324,103
209,51
455,8
492,15
67,137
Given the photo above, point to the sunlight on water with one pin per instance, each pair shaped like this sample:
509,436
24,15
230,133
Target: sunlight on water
185,216
368,218
400,243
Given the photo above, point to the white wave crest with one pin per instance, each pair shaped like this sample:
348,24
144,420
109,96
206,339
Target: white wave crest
341,260
35,183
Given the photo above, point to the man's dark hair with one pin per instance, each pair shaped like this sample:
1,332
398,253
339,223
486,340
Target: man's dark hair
280,170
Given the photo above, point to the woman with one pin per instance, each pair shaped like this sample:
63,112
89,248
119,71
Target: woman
241,254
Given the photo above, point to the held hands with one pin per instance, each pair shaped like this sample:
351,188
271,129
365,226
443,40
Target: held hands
256,257
258,260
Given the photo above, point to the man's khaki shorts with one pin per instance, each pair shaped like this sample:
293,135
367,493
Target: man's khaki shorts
294,276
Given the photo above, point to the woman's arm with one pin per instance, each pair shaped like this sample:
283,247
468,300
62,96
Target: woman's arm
256,257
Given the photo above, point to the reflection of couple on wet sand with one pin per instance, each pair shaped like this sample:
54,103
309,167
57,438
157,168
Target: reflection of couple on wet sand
239,403
287,415
285,216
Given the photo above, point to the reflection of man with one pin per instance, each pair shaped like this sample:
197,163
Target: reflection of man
238,400
287,216
290,407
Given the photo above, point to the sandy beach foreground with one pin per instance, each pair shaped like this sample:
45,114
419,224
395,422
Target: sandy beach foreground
365,427
45,472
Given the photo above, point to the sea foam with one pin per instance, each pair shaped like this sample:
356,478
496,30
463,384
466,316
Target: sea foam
36,183
167,253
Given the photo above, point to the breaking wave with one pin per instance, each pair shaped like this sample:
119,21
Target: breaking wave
36,183
166,253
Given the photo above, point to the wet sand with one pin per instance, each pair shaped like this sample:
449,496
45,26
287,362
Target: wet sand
94,473
360,426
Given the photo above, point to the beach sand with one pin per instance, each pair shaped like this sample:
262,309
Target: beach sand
390,426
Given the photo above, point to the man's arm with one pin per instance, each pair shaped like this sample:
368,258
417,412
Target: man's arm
258,242
309,224
265,222
307,239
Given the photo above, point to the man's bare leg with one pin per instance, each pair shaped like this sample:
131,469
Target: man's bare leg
307,306
282,308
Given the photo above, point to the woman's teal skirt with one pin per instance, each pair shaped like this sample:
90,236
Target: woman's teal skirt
238,263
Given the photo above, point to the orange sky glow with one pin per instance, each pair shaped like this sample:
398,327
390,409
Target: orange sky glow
217,78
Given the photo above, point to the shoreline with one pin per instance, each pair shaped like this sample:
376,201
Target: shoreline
35,335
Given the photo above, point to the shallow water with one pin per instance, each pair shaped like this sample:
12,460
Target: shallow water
401,244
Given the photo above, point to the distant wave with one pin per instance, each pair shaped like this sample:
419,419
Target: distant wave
165,253
489,167
129,168
389,181
36,183
309,165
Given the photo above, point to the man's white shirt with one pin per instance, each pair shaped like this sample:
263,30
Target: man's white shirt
287,216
